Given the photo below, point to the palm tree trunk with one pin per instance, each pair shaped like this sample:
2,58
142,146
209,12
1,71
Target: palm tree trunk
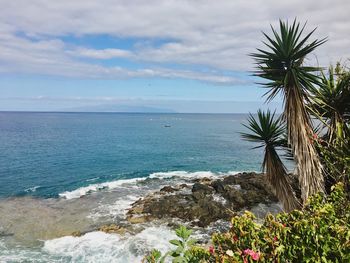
277,177
300,136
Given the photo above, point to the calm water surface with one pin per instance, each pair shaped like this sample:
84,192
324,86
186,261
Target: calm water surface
67,172
44,154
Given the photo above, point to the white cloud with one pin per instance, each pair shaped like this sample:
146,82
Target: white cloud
107,53
217,34
18,54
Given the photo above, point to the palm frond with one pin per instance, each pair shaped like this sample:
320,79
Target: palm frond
268,131
282,65
330,103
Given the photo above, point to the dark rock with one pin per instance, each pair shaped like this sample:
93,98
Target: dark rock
241,191
168,189
199,191
198,187
218,186
235,197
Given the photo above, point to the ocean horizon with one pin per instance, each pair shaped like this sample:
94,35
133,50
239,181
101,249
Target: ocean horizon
67,172
50,152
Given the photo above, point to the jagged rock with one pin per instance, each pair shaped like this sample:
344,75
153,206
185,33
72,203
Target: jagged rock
218,186
205,180
168,189
208,201
199,191
138,219
113,228
77,234
235,197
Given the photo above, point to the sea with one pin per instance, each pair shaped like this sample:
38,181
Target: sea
67,172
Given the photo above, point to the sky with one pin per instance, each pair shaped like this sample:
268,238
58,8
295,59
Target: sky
150,55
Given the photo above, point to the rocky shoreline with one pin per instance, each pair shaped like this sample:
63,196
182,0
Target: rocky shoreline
197,202
203,201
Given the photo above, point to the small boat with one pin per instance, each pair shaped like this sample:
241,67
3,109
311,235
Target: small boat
167,126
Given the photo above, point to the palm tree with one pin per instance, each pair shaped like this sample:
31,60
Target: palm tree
331,103
268,131
282,65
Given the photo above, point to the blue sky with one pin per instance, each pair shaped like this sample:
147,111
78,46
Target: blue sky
182,56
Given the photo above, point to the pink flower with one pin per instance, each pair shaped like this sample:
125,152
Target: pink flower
255,256
275,238
211,250
252,253
248,251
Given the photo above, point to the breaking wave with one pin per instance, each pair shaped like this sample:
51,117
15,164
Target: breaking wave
177,175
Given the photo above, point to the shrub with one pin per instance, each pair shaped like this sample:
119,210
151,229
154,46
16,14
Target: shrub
318,233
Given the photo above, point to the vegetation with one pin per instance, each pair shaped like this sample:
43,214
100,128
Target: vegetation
319,233
330,103
282,64
183,252
322,154
269,132
320,230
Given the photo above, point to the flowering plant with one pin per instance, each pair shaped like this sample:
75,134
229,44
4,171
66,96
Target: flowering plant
318,233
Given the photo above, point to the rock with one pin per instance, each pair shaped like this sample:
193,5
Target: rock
138,219
137,209
205,180
199,191
77,234
112,228
235,197
218,186
168,189
241,191
198,187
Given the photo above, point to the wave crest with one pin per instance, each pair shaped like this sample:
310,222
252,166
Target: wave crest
180,175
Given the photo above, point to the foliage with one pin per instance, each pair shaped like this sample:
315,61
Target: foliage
282,65
319,233
330,103
269,131
184,252
335,157
266,129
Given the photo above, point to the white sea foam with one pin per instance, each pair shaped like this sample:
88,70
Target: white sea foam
92,179
132,183
32,189
185,175
97,187
102,247
21,254
116,210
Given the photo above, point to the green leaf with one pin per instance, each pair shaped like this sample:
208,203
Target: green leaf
176,242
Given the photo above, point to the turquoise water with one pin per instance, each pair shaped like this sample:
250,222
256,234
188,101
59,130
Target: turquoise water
44,154
67,172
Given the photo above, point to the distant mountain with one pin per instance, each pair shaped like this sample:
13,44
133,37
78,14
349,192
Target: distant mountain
120,108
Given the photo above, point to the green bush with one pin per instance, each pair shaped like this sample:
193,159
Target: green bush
318,233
